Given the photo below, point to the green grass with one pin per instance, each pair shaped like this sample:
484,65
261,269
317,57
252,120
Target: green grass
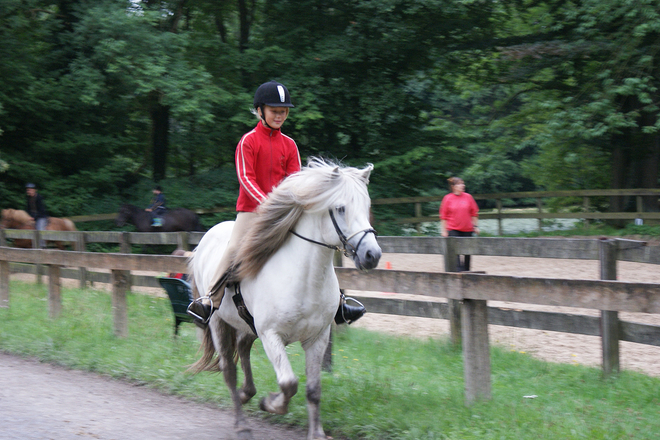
381,387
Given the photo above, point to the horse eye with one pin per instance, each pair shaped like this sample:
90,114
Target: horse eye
341,209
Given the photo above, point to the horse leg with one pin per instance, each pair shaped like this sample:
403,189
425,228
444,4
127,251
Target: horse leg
224,339
248,390
314,352
278,403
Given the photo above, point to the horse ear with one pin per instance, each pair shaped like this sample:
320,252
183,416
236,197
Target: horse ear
366,172
335,173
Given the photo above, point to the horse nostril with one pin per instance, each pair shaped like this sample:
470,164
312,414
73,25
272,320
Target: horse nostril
372,258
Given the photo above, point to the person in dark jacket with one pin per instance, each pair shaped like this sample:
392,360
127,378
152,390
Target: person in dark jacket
157,207
36,208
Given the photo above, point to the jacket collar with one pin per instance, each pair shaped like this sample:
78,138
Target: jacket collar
262,129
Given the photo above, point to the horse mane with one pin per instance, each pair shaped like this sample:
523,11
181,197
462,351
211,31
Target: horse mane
320,185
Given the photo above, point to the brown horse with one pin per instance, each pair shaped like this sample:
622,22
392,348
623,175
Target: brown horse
18,219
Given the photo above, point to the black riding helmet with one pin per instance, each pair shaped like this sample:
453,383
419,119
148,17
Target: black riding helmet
273,94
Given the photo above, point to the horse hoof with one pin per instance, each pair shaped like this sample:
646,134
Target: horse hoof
245,396
266,405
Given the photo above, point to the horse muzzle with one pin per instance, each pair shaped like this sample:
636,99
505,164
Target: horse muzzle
369,260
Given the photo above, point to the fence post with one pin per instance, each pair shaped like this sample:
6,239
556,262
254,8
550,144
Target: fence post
586,204
182,240
539,205
125,248
3,238
125,243
4,283
54,291
119,308
35,245
454,305
81,247
499,216
418,214
609,320
476,351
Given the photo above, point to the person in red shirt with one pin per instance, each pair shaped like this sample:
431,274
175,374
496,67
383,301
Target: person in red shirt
459,215
264,157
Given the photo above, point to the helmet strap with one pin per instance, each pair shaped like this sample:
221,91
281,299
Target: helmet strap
263,116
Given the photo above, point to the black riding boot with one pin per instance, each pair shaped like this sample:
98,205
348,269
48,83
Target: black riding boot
349,314
200,312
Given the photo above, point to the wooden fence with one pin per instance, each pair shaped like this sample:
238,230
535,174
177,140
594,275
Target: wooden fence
587,213
467,293
500,214
80,239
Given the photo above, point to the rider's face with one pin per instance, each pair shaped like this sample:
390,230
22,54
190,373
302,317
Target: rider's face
275,116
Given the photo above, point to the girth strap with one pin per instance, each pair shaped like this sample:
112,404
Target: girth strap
242,309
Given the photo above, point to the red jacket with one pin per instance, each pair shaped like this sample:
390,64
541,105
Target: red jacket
264,157
457,212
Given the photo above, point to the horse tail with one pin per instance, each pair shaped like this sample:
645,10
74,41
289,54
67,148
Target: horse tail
208,360
69,225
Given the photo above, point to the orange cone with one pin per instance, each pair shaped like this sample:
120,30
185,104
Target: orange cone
388,266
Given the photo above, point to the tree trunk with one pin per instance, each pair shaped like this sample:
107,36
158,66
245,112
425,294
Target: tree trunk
244,25
620,161
650,163
160,123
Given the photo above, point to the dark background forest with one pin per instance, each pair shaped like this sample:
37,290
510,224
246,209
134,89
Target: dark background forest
101,99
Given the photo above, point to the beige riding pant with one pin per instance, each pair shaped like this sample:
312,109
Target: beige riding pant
244,221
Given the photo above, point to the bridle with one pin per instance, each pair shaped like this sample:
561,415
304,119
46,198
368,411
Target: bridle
346,248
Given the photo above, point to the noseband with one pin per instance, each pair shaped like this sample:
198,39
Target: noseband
346,248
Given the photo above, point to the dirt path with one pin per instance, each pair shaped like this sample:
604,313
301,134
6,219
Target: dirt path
43,402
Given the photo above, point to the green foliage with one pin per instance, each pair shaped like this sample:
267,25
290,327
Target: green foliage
381,387
512,96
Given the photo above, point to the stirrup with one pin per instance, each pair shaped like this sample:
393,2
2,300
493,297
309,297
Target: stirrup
196,316
340,317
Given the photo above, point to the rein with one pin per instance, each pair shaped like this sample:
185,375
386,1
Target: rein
347,248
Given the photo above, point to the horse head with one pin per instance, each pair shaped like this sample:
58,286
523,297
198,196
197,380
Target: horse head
4,221
124,215
16,219
349,216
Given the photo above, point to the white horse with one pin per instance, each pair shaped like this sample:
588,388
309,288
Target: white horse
288,283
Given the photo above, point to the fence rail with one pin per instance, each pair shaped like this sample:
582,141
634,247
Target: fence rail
500,215
467,293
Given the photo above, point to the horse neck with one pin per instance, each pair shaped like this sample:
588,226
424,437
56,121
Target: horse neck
135,214
310,226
